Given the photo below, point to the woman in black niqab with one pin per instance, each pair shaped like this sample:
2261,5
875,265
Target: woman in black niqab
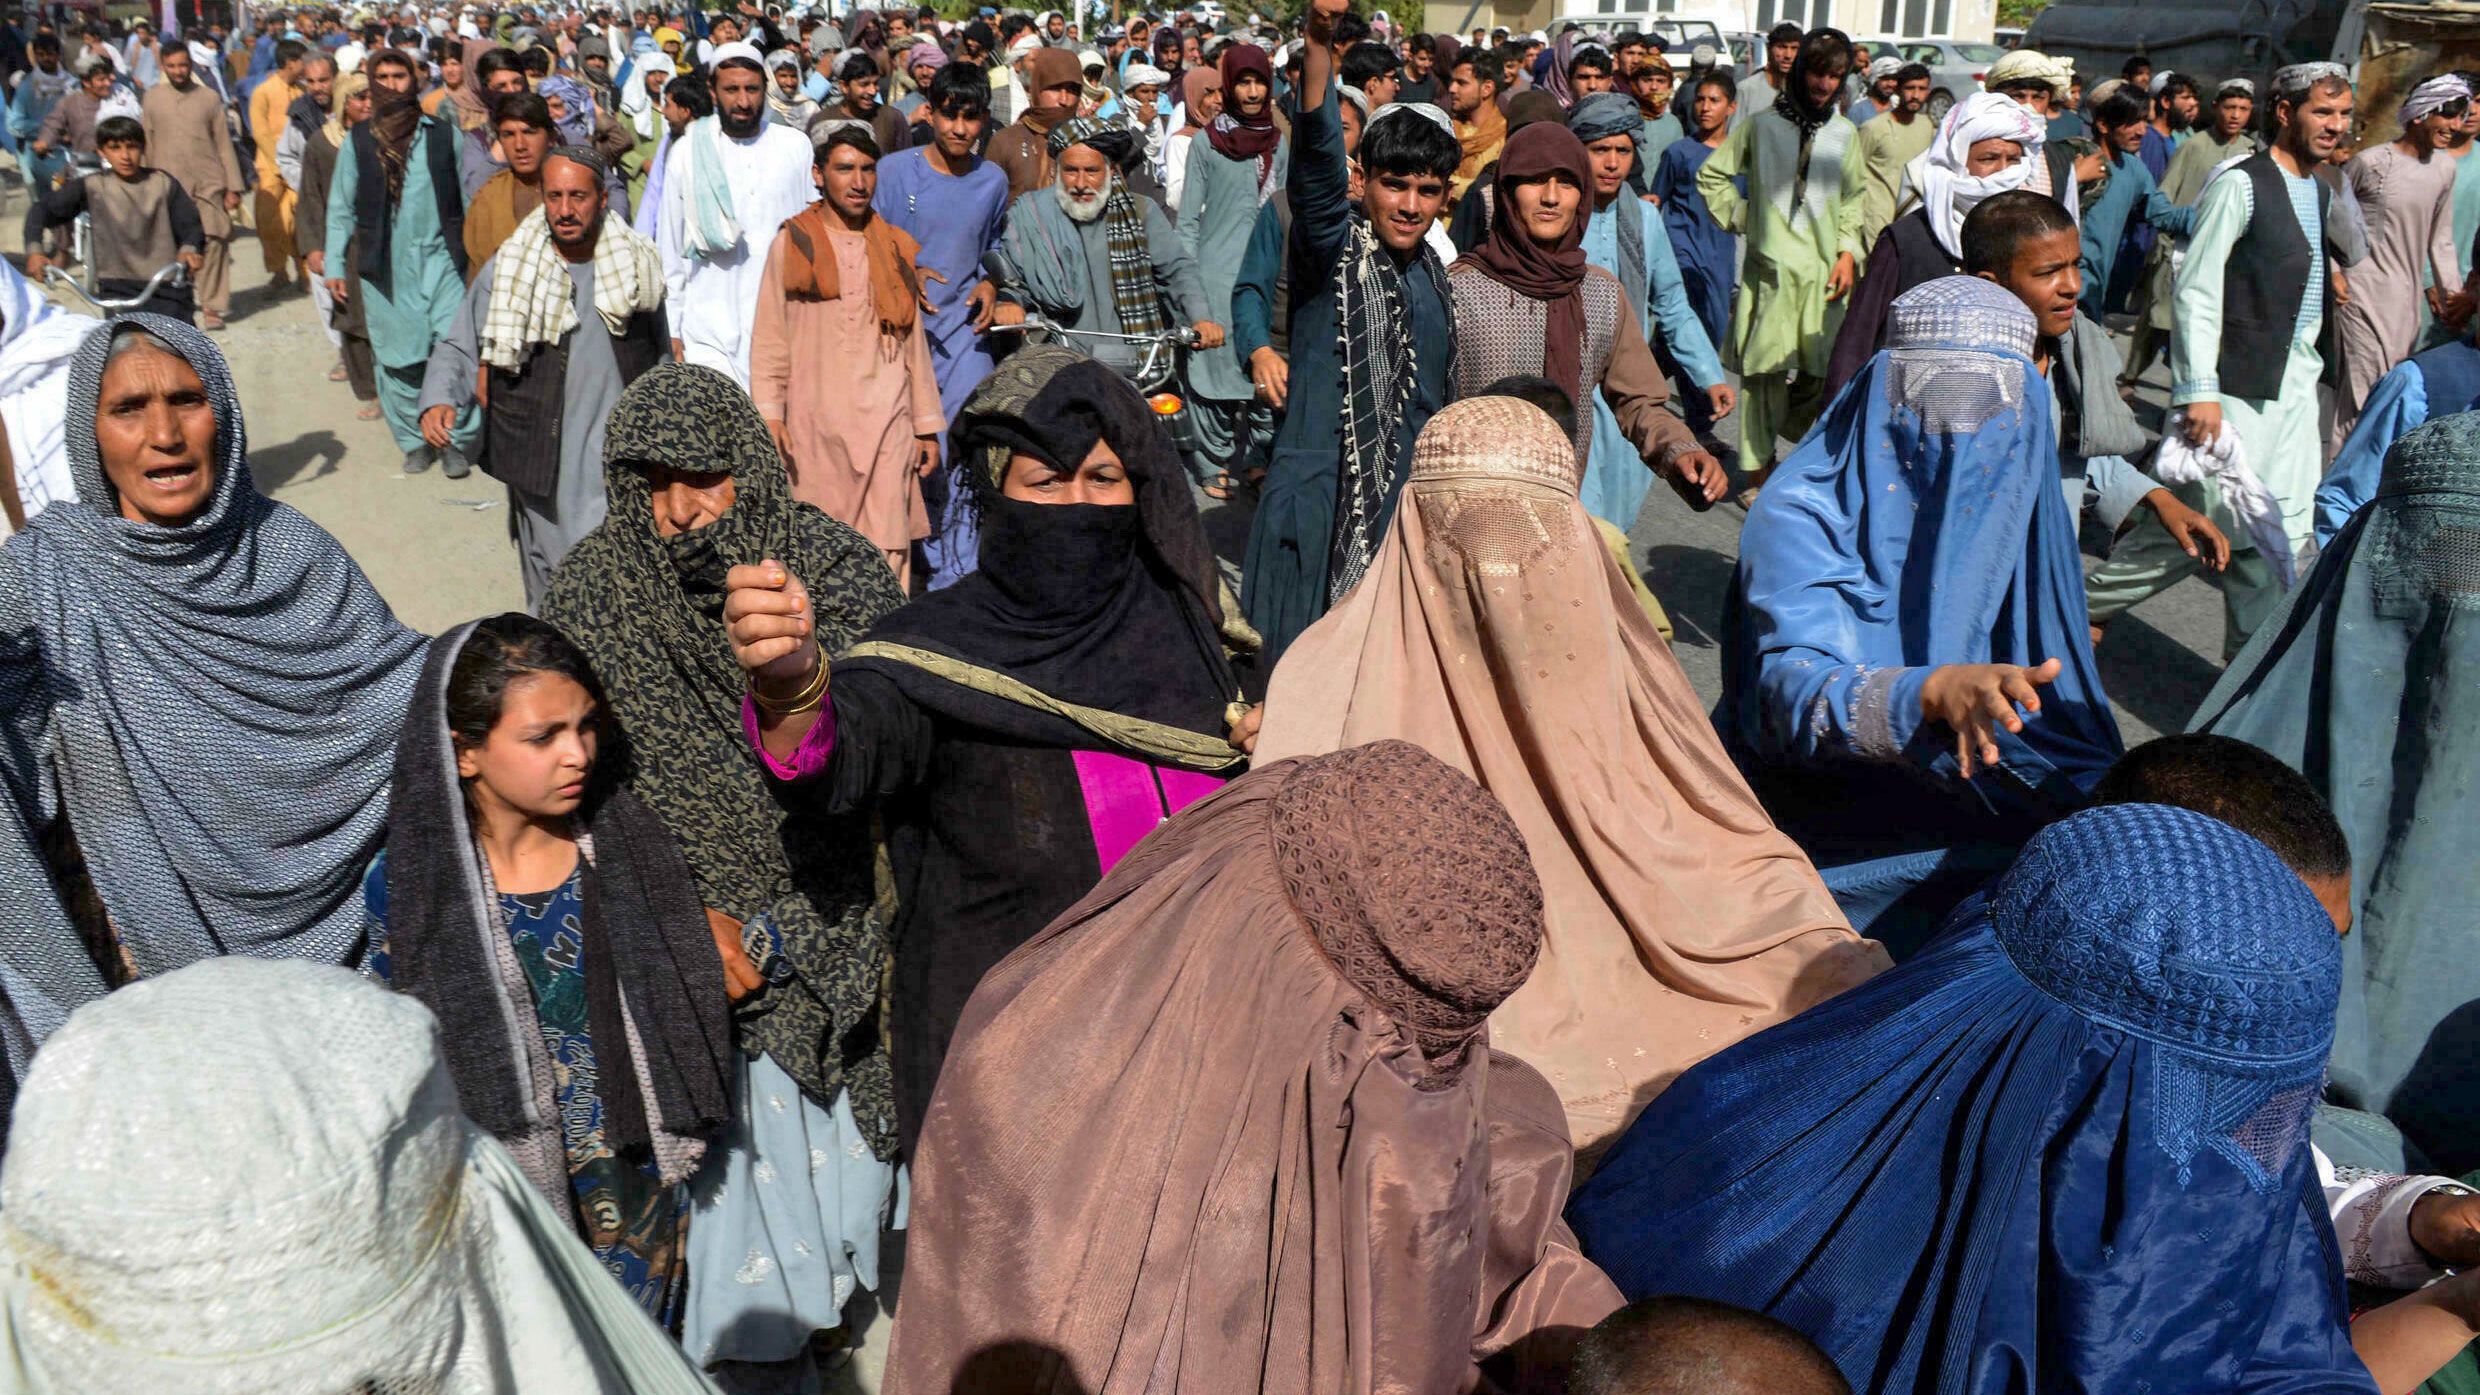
1022,729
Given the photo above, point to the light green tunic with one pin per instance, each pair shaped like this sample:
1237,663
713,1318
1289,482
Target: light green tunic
1781,319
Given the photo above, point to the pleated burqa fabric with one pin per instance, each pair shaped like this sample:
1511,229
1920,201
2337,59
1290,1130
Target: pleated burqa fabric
1496,632
2365,682
2063,1151
1232,1124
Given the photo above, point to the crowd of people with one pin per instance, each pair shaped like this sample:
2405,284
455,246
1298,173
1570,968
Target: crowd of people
900,846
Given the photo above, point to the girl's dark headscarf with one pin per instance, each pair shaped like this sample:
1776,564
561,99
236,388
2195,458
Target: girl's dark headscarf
1110,608
647,954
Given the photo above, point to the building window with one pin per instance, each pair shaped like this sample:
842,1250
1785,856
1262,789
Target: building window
1808,14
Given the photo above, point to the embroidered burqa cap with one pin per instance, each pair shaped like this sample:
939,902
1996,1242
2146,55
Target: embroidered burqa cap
1234,1114
251,1176
1496,632
2065,1148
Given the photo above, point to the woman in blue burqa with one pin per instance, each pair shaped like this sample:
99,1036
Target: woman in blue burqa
2065,1149
1907,663
199,700
2368,682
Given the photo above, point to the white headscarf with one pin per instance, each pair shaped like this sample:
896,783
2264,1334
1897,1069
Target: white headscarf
1936,178
317,1214
2432,94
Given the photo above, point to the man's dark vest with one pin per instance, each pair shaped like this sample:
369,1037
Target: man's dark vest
374,219
2264,283
522,430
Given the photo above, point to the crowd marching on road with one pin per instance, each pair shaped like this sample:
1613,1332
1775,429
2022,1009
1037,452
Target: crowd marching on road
1092,790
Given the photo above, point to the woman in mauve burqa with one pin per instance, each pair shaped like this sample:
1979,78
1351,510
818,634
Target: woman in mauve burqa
1496,632
1233,1123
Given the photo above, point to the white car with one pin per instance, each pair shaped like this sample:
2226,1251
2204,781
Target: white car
1955,68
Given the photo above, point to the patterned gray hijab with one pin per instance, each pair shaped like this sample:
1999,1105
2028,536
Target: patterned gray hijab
648,611
213,706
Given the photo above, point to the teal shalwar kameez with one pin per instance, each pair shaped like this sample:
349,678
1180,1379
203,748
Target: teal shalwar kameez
414,310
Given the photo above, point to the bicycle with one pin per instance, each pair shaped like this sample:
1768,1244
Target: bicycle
173,274
1152,371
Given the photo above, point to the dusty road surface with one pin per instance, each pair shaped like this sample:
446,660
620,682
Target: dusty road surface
436,548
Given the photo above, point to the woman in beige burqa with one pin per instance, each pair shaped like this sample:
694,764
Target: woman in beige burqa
1496,632
1232,1125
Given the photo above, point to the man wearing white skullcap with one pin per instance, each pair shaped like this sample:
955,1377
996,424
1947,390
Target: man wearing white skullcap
2209,145
2405,189
2252,324
729,182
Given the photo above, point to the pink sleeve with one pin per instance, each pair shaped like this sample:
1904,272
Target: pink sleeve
808,759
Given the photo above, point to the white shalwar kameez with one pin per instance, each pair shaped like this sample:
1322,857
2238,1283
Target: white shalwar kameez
713,301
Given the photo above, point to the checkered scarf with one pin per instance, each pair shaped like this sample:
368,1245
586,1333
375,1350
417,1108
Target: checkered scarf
534,302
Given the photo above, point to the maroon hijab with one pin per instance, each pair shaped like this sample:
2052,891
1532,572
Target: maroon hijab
1237,137
1553,275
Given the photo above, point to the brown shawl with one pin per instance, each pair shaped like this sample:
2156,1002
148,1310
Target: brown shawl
895,287
1679,918
498,206
1234,1116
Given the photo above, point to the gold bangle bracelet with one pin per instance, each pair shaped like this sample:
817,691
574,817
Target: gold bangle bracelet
812,695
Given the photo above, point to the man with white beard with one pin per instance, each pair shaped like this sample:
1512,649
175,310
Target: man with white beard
729,183
1093,255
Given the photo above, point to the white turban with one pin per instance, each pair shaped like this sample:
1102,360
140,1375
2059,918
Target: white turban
1142,75
2028,65
2432,94
1884,68
1938,178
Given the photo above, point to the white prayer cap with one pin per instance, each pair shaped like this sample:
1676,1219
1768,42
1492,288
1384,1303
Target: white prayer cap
2298,78
2160,81
2238,86
741,49
313,1211
1358,99
1423,110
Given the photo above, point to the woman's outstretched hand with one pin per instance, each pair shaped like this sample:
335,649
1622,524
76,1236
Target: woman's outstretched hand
1976,701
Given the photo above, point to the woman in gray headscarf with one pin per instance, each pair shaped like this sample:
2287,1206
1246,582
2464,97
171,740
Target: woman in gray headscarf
196,680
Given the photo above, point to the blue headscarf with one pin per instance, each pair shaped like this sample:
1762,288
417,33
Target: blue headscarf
1920,524
2064,1149
2368,682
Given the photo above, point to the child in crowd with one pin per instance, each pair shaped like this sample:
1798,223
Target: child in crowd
142,220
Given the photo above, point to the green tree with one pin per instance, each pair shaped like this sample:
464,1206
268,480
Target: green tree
2017,14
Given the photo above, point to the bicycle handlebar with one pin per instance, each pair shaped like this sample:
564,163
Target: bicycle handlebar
173,273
